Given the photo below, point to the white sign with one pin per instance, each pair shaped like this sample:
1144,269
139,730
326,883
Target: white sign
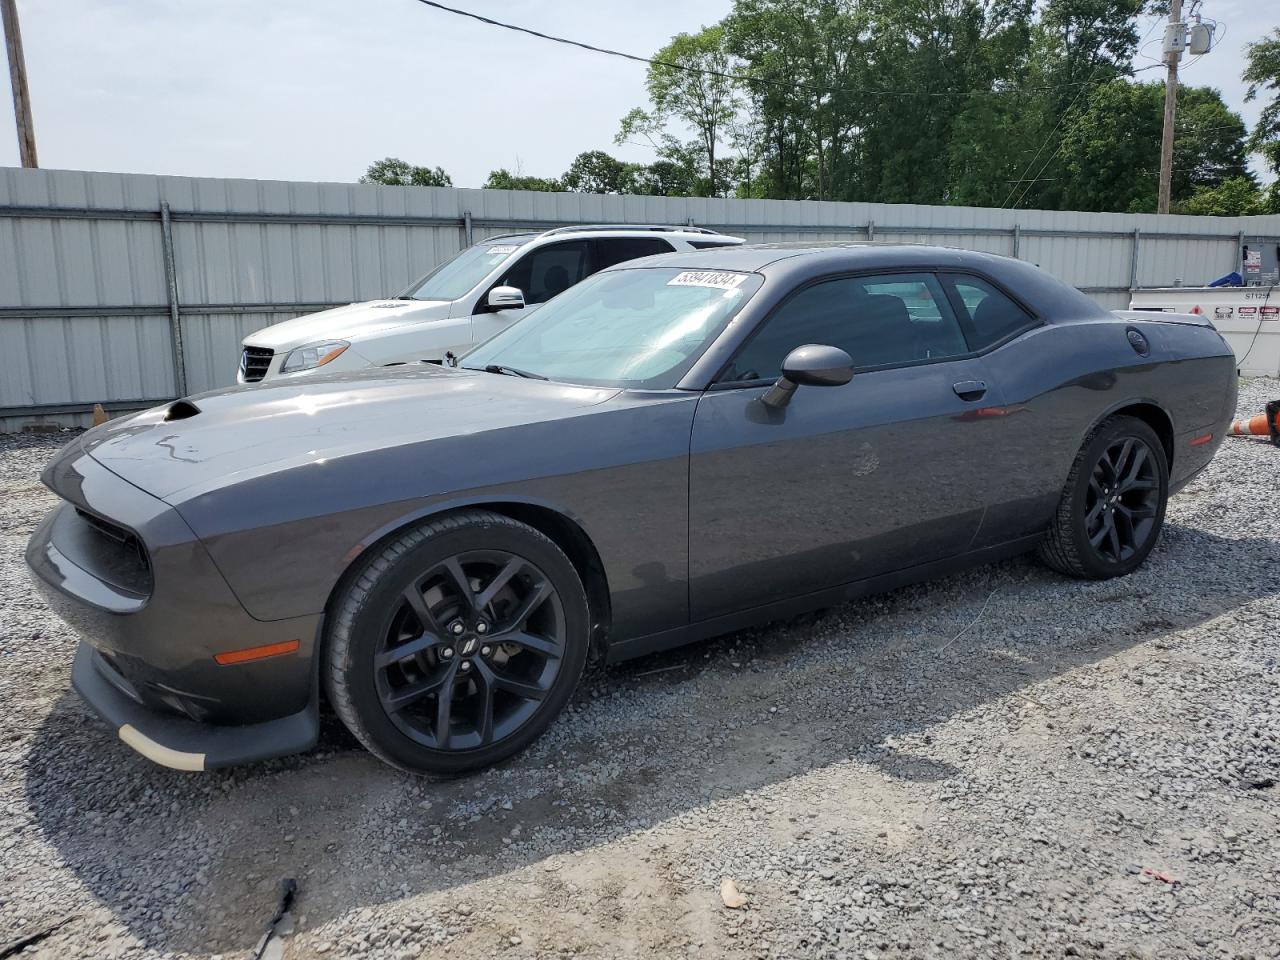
716,279
503,248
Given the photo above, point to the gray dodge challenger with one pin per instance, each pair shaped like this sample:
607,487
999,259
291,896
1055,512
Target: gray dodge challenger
677,447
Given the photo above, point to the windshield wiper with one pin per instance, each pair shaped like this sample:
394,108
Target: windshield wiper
512,372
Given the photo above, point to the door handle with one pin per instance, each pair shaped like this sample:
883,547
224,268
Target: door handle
970,389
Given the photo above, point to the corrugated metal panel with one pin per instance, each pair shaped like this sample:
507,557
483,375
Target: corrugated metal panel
251,243
55,360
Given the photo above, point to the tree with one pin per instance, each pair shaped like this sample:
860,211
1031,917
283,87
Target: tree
1110,150
1262,74
691,83
1235,197
802,62
395,172
596,172
669,178
504,179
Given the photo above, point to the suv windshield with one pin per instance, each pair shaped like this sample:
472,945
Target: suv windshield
639,328
455,277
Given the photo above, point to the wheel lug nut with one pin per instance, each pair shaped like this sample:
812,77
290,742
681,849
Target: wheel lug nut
456,627
466,665
447,652
485,651
482,627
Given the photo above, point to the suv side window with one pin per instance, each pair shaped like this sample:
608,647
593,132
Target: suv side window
548,270
621,249
989,315
879,321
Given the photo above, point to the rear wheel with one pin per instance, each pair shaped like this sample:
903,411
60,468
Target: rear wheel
458,643
1113,505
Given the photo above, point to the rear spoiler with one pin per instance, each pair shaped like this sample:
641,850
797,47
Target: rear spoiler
1165,316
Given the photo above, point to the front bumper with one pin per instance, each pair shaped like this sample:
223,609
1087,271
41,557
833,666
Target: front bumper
147,661
181,744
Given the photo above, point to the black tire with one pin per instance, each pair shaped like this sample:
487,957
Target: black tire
1113,504
389,661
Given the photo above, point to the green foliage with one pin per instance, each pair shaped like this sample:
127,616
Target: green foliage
1110,150
1235,197
596,172
504,179
1005,103
397,173
980,102
1262,74
690,83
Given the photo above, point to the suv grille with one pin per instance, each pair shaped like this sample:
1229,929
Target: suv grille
254,363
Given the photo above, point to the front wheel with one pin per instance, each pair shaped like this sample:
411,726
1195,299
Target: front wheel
457,644
1113,504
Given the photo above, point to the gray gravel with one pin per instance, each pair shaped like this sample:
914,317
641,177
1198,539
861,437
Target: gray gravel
1089,770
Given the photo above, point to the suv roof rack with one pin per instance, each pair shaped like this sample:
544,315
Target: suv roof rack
655,227
507,236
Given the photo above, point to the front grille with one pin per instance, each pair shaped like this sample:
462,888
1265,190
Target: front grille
254,363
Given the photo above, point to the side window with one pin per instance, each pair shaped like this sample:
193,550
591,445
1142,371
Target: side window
549,270
990,315
622,249
878,321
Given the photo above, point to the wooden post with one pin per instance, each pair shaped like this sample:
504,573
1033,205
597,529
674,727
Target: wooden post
18,80
1170,106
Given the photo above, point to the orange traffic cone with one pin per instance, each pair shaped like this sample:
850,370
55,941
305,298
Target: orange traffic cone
1263,425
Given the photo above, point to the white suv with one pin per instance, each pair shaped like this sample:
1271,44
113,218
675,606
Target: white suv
460,303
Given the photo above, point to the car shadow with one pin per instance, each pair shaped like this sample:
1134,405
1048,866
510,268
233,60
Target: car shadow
193,862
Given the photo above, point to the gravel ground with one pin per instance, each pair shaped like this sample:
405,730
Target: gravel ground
1088,770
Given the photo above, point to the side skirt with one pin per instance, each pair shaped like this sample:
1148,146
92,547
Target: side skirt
830,597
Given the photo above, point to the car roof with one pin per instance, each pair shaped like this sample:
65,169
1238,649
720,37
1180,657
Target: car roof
756,256
788,264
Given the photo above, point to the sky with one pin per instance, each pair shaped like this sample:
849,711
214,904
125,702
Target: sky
318,89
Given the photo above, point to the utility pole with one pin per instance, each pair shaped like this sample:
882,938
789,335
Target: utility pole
1175,39
18,80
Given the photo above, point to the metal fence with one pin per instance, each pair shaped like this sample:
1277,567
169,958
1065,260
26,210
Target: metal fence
129,289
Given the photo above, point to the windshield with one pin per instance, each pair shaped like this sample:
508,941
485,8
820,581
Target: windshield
454,278
640,328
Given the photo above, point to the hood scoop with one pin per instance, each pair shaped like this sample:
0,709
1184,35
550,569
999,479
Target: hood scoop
180,410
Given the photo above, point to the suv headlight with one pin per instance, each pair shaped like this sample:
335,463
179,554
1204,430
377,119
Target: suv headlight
313,355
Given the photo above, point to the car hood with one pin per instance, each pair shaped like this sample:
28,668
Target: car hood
211,440
346,323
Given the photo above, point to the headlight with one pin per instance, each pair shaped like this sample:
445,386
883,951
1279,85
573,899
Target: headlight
313,355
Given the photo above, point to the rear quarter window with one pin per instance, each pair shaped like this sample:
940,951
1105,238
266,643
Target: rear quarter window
988,315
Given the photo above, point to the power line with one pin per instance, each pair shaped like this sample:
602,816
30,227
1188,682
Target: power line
1053,156
1085,86
1042,169
788,84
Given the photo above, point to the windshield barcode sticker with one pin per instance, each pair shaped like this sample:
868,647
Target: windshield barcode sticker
707,278
502,248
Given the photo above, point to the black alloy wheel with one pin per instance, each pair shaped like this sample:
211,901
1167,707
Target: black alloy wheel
1123,500
470,651
455,644
1112,506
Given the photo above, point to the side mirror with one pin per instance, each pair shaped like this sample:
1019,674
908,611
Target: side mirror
506,298
812,365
